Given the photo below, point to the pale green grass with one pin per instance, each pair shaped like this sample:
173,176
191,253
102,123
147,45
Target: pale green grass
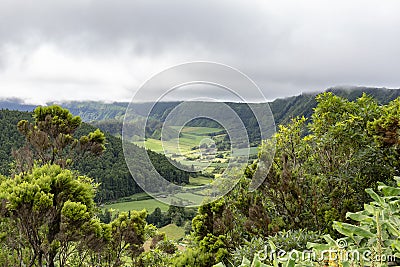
200,180
173,232
198,130
196,199
153,144
243,151
148,204
184,145
190,137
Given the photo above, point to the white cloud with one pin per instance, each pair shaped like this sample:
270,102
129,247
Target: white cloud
57,50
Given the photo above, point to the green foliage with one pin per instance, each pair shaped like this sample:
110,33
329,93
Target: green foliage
91,111
109,170
47,207
222,226
377,226
302,105
128,234
157,218
371,240
155,257
176,215
50,139
316,178
9,137
317,181
319,173
246,263
194,257
283,241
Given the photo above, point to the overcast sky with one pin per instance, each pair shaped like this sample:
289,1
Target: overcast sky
104,50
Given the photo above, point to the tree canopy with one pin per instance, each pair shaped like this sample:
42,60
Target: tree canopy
50,138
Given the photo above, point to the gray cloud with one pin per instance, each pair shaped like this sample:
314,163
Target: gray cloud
104,47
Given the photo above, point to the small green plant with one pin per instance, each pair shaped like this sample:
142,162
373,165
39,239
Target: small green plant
282,241
372,240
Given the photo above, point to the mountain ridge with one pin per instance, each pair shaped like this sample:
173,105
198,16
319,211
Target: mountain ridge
99,110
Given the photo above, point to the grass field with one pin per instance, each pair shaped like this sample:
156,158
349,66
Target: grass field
243,151
199,180
173,232
190,137
198,130
148,204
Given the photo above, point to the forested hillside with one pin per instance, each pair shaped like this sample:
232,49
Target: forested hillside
110,169
15,104
90,111
109,116
9,136
283,109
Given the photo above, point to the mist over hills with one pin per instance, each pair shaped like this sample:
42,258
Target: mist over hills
109,116
282,108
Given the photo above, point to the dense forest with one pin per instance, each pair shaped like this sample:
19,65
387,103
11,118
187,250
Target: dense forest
332,192
109,169
283,110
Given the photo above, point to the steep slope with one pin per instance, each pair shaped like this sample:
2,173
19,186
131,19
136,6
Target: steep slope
9,136
302,105
283,109
109,170
15,104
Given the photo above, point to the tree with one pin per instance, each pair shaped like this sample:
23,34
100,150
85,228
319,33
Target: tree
157,218
47,207
319,172
386,130
176,213
128,233
321,169
50,139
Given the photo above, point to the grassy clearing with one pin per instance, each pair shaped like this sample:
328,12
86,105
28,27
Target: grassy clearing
243,151
190,137
173,232
148,204
186,142
199,180
152,144
190,197
198,130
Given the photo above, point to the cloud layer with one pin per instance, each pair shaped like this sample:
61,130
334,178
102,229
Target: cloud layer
104,50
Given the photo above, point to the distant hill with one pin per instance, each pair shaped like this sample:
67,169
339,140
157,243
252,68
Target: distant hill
302,105
283,108
15,104
90,111
108,117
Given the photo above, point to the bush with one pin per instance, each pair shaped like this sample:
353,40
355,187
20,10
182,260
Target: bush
283,240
